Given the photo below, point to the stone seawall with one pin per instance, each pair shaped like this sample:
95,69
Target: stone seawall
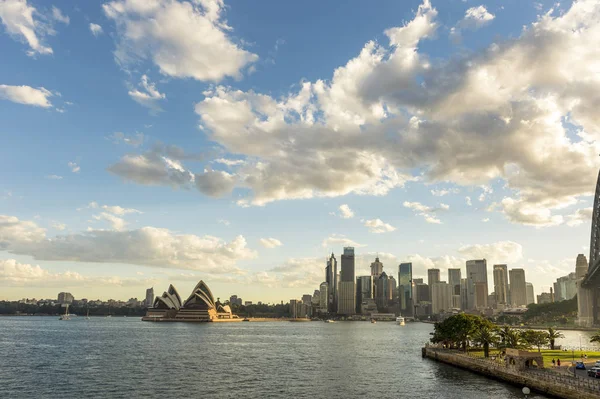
541,381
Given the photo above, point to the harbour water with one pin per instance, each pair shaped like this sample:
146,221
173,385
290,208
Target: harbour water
42,357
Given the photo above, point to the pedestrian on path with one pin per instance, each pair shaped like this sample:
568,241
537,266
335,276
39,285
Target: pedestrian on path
558,362
553,363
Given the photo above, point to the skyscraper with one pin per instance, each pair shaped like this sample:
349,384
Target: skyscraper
323,297
149,297
518,287
476,273
405,288
364,291
381,292
347,294
433,276
376,268
331,280
581,266
530,294
501,284
440,297
454,281
65,297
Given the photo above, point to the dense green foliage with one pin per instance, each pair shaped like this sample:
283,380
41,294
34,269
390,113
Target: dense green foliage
556,312
262,310
13,308
485,336
595,337
457,331
553,335
534,338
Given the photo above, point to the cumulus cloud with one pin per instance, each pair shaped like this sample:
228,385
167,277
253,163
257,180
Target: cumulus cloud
339,240
96,29
215,183
59,226
147,95
54,177
378,226
230,162
116,209
23,22
182,38
14,273
116,222
442,192
74,167
468,199
26,95
134,140
498,252
394,115
270,242
475,18
427,212
580,216
58,16
147,246
346,212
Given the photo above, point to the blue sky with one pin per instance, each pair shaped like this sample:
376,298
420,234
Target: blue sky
168,141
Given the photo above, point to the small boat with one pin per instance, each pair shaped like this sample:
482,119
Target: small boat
329,321
246,319
66,315
373,321
108,315
400,320
87,316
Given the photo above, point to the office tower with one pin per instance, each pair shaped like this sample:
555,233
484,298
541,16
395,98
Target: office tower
481,295
491,300
544,297
381,292
456,301
331,280
306,299
149,297
440,297
421,298
476,273
324,297
581,266
405,288
464,293
433,276
234,300
454,281
392,293
529,293
347,293
376,268
364,291
518,287
418,281
501,284
65,298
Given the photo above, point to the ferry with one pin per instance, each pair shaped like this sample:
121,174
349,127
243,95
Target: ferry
400,320
373,321
329,321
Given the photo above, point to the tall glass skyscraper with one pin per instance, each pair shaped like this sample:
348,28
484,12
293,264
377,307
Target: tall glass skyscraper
347,294
331,280
405,290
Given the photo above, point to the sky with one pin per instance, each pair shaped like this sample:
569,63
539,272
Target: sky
166,141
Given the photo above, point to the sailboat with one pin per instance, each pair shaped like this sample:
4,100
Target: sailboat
66,315
87,316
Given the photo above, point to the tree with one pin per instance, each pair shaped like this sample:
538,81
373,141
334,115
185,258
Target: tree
510,337
535,338
553,335
595,337
456,331
486,336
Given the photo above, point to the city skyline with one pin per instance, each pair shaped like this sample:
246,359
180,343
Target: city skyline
428,136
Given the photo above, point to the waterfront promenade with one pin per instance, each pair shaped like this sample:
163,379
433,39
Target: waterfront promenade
541,380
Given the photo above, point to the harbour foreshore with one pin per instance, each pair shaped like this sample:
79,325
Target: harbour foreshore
542,381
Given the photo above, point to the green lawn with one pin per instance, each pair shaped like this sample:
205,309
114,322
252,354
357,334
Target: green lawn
548,355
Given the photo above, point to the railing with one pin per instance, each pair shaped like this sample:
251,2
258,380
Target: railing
573,382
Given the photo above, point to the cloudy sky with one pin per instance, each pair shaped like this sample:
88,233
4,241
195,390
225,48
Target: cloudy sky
166,141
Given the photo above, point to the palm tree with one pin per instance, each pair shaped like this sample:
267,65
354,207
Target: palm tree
554,335
485,336
509,337
595,337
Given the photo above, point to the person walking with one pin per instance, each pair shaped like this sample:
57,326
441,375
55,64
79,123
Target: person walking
553,362
558,362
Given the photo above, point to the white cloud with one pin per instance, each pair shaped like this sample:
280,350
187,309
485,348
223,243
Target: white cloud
270,242
495,253
475,18
427,212
521,212
468,199
346,212
96,29
487,190
378,226
74,167
339,240
147,96
134,140
184,39
26,95
117,210
442,192
116,222
59,226
54,177
22,22
225,222
580,216
147,246
485,220
230,162
58,16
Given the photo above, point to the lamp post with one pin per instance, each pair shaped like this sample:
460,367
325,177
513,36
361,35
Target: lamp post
525,391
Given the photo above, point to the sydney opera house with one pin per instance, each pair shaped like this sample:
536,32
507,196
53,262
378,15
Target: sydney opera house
199,306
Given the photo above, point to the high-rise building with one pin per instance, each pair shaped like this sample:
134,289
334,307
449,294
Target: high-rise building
376,268
544,297
421,300
364,291
324,297
433,276
581,266
234,300
454,281
306,299
440,297
331,275
518,287
405,288
149,297
476,273
381,292
530,294
501,284
418,281
347,293
481,295
392,291
464,288
65,298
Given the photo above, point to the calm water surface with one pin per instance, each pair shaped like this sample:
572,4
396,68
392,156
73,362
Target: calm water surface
42,357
